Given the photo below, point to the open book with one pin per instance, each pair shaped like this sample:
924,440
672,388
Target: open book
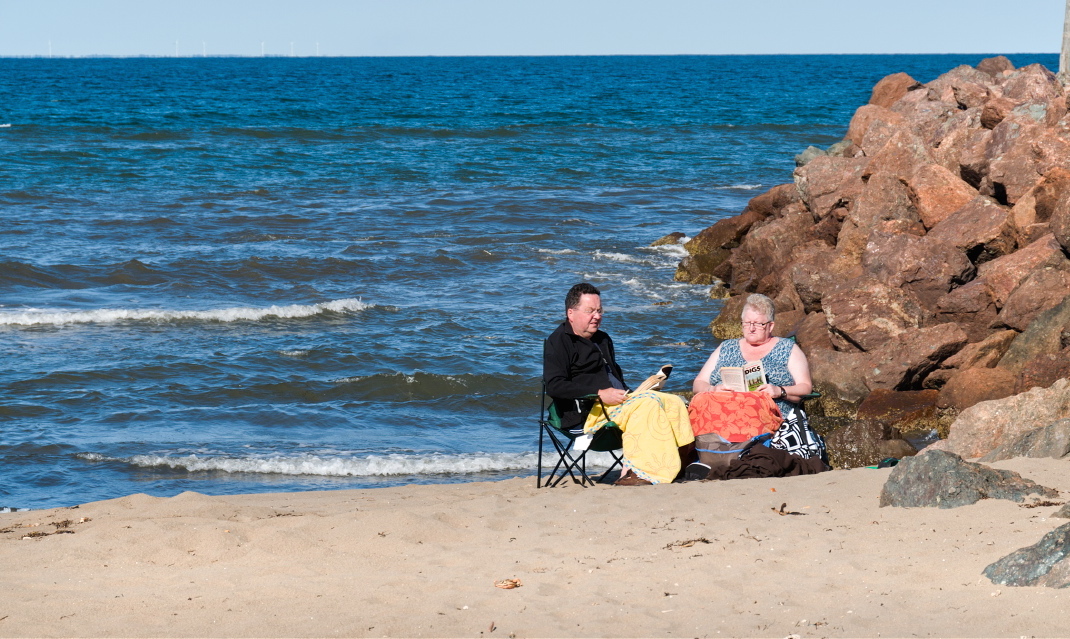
655,381
743,378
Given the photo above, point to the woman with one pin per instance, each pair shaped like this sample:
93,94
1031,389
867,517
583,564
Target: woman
788,380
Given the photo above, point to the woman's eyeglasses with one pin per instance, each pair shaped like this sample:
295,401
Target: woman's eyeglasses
756,324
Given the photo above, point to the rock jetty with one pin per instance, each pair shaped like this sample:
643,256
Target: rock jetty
923,259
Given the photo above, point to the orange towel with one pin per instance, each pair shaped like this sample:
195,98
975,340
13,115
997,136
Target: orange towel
735,416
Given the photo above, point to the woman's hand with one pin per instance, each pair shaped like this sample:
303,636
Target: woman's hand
776,392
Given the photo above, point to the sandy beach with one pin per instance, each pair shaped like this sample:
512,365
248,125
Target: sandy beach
697,560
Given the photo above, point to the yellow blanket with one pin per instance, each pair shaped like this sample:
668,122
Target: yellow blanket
654,426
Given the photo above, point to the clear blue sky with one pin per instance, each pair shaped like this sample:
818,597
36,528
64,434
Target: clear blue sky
526,27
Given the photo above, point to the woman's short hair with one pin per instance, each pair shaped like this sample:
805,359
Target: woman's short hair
760,304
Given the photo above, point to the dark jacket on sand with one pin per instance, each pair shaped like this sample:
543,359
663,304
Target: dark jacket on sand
573,367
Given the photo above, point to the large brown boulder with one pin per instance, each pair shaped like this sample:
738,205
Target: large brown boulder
835,375
813,271
1039,291
927,267
1044,335
982,427
1043,370
982,229
1053,205
995,66
995,110
1004,274
866,313
904,411
884,123
903,362
1052,440
971,306
983,354
858,444
1032,83
771,244
884,198
937,193
812,334
901,155
943,87
890,88
1025,146
826,183
974,385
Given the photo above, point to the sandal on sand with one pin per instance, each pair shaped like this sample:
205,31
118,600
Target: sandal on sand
631,479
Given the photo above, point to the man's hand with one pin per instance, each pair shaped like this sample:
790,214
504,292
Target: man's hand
612,396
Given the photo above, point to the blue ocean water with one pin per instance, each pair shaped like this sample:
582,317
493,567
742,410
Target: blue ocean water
243,275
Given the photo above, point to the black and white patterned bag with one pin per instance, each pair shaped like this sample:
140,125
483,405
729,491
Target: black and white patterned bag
796,437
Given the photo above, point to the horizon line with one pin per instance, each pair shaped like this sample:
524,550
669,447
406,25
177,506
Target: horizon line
494,55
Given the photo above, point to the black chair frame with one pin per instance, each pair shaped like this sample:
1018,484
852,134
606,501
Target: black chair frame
572,463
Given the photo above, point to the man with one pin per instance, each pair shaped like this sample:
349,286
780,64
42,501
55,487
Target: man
578,361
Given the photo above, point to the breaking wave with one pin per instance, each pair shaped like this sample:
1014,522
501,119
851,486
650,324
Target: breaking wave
367,466
235,314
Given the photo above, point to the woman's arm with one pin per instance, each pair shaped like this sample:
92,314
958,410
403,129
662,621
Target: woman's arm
702,381
800,371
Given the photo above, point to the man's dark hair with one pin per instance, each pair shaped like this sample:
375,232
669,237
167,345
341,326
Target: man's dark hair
572,300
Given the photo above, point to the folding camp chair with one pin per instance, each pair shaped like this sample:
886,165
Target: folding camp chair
571,453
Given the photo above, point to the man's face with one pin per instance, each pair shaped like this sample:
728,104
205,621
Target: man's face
586,316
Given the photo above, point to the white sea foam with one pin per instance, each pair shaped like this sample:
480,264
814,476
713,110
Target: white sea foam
620,257
293,353
557,251
5,126
40,317
745,187
366,466
675,250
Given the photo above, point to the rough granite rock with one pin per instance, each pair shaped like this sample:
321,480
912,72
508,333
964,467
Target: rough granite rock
1045,334
937,193
982,228
924,266
1004,274
983,427
836,377
864,314
1043,370
901,155
1052,440
983,354
1038,292
1045,563
974,385
890,88
1034,82
872,125
936,478
995,66
995,110
971,306
812,272
947,203
904,360
905,411
858,444
826,183
812,334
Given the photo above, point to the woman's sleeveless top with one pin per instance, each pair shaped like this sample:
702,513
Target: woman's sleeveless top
775,364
